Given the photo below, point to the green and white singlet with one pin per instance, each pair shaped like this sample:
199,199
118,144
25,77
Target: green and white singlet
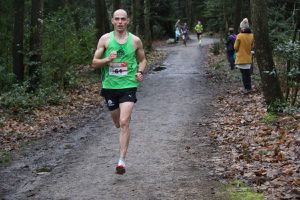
120,73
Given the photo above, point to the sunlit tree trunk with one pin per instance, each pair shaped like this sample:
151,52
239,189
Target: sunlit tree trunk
270,82
35,43
18,62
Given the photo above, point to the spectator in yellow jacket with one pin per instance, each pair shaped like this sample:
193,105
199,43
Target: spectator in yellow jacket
243,45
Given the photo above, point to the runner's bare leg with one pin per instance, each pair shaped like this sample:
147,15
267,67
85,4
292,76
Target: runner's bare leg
125,115
115,115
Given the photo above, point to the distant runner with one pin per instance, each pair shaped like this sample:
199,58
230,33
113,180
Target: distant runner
199,29
184,33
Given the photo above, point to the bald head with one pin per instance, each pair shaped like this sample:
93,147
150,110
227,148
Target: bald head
120,20
120,12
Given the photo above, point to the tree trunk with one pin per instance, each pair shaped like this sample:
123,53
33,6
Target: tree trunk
237,16
225,17
102,24
189,13
35,43
148,42
270,82
136,16
116,4
18,61
76,19
296,31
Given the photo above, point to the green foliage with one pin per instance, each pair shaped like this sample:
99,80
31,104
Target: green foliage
216,48
7,78
158,31
277,106
63,49
280,17
289,50
292,109
19,101
5,157
213,14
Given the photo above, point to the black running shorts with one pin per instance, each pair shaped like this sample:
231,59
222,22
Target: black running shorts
114,97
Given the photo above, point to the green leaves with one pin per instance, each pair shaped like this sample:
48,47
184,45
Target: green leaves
289,50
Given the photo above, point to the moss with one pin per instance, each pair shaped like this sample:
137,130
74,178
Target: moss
236,190
270,118
5,157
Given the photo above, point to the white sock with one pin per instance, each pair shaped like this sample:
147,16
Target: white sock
121,162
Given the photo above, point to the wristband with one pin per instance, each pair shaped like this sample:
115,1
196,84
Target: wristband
141,72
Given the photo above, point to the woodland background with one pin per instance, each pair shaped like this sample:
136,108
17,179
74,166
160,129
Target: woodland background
47,47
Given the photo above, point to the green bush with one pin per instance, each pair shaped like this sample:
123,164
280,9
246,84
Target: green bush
216,48
19,101
278,106
6,79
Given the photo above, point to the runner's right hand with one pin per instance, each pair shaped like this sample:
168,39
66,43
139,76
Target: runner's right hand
112,55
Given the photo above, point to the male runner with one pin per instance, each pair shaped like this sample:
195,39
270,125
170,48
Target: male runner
199,29
121,57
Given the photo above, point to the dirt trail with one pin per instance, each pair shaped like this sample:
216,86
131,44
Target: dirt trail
168,153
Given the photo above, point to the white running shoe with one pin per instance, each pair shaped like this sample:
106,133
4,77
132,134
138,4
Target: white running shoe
120,169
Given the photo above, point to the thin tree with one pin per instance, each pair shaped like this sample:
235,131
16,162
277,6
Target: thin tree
269,77
35,43
225,16
296,31
18,56
136,16
189,13
237,14
148,37
102,24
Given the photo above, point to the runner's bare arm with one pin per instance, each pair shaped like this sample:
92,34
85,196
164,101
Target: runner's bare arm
140,55
99,62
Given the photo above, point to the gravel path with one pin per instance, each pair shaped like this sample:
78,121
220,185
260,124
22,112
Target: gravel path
168,152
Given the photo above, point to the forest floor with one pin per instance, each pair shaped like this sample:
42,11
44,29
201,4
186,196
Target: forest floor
259,148
217,134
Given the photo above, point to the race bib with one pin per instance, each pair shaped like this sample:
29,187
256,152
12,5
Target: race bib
118,68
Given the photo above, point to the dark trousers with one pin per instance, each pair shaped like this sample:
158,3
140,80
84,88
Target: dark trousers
246,77
231,59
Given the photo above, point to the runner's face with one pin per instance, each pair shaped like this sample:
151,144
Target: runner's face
120,21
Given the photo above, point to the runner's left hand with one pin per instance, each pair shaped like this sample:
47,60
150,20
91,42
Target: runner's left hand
139,76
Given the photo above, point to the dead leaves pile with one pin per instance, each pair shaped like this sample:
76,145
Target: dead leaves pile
264,153
50,119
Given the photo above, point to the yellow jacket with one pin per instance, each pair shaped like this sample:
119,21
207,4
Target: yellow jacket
243,46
